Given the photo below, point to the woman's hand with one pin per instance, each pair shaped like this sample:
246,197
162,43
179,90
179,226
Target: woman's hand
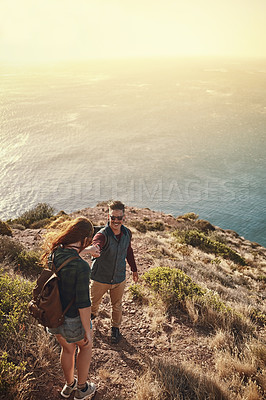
88,338
85,316
94,251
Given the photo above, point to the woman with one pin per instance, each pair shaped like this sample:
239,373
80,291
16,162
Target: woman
74,284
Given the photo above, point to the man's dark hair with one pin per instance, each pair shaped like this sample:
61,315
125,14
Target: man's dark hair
116,205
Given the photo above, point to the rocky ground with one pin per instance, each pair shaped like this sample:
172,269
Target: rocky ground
146,333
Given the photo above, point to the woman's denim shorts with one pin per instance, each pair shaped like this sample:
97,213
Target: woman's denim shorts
72,330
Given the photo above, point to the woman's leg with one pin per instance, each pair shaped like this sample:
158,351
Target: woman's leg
83,360
67,358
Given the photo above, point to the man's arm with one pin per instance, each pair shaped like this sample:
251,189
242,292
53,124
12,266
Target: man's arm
131,259
99,240
97,244
132,263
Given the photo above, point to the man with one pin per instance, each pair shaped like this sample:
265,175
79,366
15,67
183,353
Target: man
109,269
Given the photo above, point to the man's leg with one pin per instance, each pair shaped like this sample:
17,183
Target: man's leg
116,294
97,291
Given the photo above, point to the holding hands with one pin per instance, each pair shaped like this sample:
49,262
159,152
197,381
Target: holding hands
94,251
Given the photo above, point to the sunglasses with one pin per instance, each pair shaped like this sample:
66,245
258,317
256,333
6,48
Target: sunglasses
113,218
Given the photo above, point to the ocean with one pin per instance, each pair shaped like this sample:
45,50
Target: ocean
173,135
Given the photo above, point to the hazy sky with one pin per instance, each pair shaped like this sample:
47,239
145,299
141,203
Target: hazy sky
56,30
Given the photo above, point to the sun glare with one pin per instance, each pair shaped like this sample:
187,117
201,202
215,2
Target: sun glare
51,30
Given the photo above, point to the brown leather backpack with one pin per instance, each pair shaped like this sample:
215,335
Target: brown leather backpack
45,305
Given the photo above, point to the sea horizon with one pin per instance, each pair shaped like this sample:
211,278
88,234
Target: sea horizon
176,136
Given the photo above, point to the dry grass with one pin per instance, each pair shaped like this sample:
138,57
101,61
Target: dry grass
155,312
234,367
41,354
232,379
222,340
27,352
243,367
147,388
184,381
228,366
239,371
109,377
252,392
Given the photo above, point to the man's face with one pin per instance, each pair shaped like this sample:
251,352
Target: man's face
116,218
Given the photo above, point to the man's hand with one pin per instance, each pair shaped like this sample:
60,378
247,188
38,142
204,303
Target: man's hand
93,251
135,276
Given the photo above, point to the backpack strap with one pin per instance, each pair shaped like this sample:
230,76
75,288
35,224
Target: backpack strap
68,260
68,306
56,270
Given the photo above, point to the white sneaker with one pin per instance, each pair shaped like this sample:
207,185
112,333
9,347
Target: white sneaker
67,390
84,395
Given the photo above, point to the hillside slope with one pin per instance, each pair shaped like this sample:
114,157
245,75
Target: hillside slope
156,339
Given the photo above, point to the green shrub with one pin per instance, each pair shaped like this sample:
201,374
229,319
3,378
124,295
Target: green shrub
59,221
189,216
15,323
204,226
205,243
213,300
262,278
103,203
139,225
172,284
29,263
15,294
258,317
41,223
155,226
18,226
9,249
216,261
39,212
5,229
31,363
147,225
10,374
136,292
178,291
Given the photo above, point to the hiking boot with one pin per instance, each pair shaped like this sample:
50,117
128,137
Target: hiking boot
115,335
67,389
84,394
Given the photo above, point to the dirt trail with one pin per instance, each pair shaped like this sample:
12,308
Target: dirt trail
115,368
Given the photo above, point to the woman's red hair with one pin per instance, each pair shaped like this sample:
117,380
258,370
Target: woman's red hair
77,230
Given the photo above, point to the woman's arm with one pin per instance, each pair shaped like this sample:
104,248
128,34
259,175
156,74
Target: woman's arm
85,316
